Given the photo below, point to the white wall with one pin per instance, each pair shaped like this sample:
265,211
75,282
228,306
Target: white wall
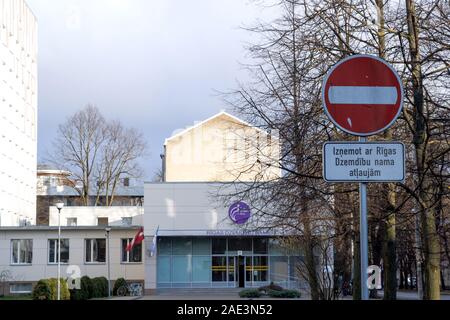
18,102
184,207
194,209
87,216
40,268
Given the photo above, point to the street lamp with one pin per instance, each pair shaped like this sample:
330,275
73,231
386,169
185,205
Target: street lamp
108,229
59,206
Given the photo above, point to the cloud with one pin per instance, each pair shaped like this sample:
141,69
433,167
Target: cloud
152,64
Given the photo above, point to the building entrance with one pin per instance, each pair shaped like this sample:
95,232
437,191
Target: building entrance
201,262
241,272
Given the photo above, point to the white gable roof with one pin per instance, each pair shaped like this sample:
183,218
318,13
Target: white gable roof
222,113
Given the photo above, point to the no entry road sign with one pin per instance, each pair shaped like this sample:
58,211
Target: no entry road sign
363,161
362,95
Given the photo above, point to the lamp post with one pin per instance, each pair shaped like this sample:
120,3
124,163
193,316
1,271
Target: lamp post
108,229
59,206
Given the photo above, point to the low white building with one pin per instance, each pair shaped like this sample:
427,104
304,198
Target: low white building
202,243
27,254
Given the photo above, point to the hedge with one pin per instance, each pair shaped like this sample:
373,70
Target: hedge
250,293
86,290
41,290
99,287
121,282
284,294
47,289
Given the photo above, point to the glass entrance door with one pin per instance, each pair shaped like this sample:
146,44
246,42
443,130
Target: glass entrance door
232,274
241,271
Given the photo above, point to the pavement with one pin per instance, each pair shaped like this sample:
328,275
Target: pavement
401,295
412,295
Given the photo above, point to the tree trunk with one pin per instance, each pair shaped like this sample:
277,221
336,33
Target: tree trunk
356,261
310,262
431,243
389,247
389,252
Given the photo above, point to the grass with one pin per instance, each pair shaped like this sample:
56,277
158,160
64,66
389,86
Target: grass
16,297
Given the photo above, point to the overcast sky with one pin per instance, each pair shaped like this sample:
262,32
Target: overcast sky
154,64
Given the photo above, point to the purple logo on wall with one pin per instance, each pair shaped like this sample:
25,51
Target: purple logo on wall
239,212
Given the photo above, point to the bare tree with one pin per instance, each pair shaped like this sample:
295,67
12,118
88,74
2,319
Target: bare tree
77,146
119,153
295,52
98,153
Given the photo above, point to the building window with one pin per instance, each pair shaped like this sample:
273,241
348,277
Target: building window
279,270
53,182
163,269
260,268
127,221
181,269
126,182
21,288
21,251
95,250
201,266
164,246
135,255
102,221
182,246
53,251
240,244
219,269
46,181
71,222
260,245
219,245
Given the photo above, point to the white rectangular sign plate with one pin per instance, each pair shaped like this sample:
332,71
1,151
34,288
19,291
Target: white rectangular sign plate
363,161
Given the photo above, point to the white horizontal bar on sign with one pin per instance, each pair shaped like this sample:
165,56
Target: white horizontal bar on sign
362,95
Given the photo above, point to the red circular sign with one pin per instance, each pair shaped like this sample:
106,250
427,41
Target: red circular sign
362,95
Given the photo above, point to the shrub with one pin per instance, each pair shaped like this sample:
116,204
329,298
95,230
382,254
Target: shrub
271,286
76,294
47,289
284,294
99,287
250,293
86,288
53,283
121,282
42,290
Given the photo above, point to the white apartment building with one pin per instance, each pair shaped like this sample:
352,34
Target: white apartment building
28,254
18,102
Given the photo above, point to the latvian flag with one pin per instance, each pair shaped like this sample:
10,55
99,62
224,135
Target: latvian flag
137,239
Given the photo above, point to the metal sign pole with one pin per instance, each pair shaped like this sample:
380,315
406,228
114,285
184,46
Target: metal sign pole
363,237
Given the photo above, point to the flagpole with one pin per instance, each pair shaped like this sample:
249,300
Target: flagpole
108,229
